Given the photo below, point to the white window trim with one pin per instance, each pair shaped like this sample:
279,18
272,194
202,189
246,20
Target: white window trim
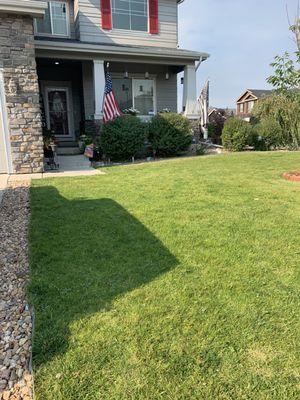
134,30
139,76
51,22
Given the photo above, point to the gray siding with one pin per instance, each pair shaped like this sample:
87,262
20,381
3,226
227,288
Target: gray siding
88,88
166,90
90,26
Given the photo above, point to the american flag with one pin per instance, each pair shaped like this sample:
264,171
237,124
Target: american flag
203,101
110,106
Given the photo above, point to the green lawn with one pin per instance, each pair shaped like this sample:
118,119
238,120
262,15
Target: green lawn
171,280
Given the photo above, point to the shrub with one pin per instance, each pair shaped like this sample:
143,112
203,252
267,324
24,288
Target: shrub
269,134
123,138
169,134
237,134
283,112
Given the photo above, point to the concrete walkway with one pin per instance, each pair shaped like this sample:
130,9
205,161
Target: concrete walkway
69,166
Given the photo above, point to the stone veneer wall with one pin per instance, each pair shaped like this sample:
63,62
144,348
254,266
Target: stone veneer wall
17,58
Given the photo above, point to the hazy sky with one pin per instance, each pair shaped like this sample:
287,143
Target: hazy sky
242,38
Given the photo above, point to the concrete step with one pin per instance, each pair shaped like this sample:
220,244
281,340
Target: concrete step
67,143
67,151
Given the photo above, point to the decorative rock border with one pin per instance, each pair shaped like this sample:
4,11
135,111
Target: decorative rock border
15,316
292,176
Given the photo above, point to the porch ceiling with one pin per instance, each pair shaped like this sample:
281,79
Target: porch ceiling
88,51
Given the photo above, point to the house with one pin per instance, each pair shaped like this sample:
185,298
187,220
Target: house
245,103
54,55
217,118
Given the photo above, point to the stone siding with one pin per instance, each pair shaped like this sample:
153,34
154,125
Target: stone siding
17,58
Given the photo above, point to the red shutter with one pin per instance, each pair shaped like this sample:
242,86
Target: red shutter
106,14
153,16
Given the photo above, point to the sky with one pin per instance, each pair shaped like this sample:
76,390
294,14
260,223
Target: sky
242,38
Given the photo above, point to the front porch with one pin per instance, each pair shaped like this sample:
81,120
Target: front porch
72,92
72,86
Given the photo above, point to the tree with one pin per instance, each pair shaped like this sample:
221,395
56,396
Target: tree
286,77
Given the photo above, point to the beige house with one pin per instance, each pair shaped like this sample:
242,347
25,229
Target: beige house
54,55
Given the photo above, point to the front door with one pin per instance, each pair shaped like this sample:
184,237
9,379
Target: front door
58,111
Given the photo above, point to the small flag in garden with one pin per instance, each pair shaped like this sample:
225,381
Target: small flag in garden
110,106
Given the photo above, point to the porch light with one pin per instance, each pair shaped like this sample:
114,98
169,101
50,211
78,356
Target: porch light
147,75
167,76
126,75
182,81
56,63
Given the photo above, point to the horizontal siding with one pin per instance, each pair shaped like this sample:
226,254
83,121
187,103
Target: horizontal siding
166,90
90,26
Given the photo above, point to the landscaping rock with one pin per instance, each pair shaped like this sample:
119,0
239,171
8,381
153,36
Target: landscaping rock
15,317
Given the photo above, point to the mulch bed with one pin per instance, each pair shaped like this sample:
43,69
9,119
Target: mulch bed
292,176
15,316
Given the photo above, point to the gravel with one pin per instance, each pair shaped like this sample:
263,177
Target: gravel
15,315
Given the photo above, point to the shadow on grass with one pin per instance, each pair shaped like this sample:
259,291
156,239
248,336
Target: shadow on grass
83,255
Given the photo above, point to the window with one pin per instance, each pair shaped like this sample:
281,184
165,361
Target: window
136,93
130,14
250,106
241,107
56,20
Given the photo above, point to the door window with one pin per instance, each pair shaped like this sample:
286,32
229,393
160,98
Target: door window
58,111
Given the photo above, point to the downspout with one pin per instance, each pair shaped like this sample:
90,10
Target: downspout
4,117
199,63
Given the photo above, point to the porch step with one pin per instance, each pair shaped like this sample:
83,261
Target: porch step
67,151
67,143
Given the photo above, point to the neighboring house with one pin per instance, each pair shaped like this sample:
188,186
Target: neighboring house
54,55
217,118
245,103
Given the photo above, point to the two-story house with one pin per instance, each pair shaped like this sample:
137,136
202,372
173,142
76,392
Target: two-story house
247,100
54,55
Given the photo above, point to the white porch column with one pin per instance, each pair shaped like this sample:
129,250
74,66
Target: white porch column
99,86
190,91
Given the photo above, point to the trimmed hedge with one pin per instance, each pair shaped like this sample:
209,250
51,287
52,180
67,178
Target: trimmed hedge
123,138
169,134
237,134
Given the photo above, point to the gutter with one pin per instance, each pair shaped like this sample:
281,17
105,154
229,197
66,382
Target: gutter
24,7
119,50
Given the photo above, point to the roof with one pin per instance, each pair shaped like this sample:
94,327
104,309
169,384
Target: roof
108,49
260,93
257,93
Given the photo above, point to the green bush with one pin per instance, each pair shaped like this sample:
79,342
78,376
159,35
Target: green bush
237,134
281,113
169,134
123,138
269,134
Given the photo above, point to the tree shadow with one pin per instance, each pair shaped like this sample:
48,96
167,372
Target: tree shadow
84,254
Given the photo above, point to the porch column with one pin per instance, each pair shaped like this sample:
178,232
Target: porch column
99,86
190,91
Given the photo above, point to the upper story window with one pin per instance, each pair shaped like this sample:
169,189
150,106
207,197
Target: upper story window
130,14
55,21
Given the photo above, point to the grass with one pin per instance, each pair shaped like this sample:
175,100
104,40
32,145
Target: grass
173,280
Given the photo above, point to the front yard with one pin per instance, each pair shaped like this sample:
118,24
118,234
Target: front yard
172,280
